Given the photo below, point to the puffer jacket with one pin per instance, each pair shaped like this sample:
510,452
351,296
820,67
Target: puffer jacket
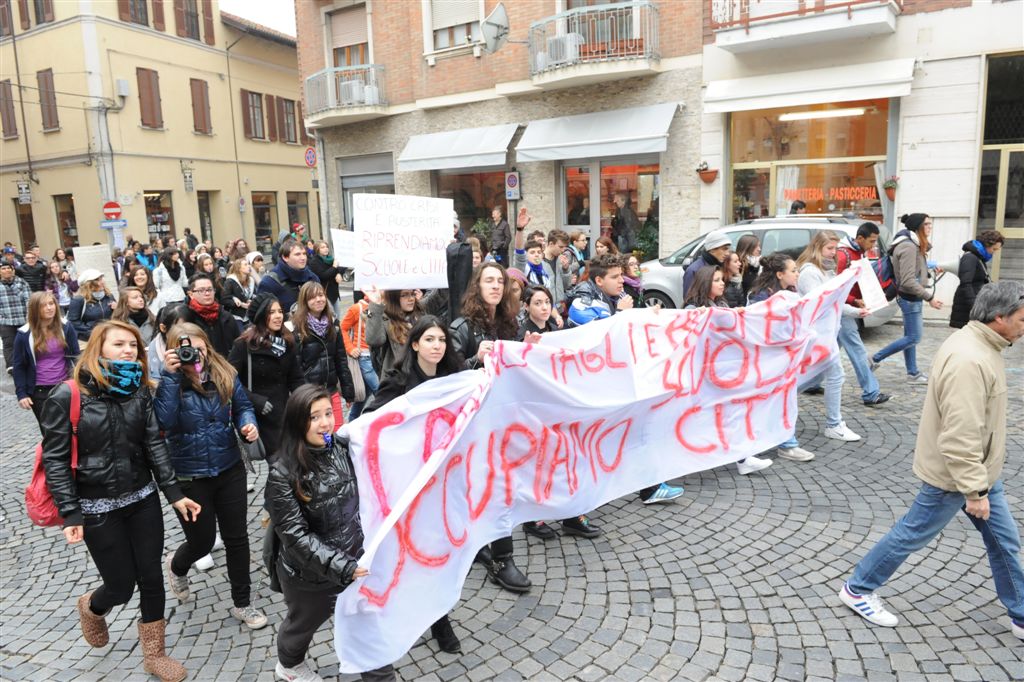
120,449
325,363
321,538
199,429
973,274
84,316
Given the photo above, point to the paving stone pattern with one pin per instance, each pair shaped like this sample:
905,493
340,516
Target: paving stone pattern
735,581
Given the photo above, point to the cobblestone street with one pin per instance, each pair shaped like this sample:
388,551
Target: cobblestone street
735,581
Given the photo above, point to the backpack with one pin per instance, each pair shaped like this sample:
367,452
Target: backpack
38,501
886,275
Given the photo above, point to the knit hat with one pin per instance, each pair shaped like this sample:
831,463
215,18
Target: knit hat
88,275
913,221
253,255
715,239
517,274
259,307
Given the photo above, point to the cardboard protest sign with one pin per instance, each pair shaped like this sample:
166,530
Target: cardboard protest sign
344,243
870,290
556,429
97,257
401,240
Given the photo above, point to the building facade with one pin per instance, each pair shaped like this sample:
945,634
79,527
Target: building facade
185,116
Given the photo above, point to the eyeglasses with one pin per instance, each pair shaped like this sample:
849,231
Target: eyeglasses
204,290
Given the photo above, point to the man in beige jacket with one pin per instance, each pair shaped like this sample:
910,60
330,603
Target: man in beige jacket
961,447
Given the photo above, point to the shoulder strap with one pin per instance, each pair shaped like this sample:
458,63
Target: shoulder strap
76,413
248,361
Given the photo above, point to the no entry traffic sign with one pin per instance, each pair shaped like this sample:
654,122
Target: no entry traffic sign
112,210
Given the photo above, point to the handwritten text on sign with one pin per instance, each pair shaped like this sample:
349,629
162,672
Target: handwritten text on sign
557,429
401,240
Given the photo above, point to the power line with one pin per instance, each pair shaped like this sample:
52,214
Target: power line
60,92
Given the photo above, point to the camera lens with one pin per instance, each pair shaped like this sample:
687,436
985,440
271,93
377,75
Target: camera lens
187,355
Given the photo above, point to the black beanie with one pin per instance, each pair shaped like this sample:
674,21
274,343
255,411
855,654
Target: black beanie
259,307
913,221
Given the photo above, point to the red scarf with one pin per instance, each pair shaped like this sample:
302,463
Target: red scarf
209,313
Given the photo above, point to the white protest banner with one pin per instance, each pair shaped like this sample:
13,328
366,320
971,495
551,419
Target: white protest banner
556,429
401,241
870,290
344,243
97,257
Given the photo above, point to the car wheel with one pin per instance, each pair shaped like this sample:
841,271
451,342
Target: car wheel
652,298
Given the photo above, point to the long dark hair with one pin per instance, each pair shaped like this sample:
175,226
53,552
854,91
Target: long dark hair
771,265
745,247
503,324
170,315
293,450
699,293
449,364
167,257
399,321
257,335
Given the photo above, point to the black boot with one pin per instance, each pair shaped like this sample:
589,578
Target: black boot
581,526
539,529
505,573
484,558
444,634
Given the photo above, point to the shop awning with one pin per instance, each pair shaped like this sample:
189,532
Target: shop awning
873,80
639,130
466,148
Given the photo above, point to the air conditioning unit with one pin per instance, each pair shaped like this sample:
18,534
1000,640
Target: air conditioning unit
350,92
564,49
371,95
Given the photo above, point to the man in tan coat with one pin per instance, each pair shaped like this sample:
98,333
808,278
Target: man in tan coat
961,447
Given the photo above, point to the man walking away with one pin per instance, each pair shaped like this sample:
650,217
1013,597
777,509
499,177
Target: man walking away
961,447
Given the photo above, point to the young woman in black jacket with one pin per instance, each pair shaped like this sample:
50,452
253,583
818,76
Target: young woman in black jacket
110,501
320,348
239,287
313,501
973,274
321,262
268,366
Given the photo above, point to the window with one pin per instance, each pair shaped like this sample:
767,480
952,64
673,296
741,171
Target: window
65,207
455,23
43,11
6,19
10,123
474,194
48,100
26,224
286,120
205,214
264,215
149,98
791,241
200,106
137,13
352,55
350,36
190,11
252,115
298,209
159,215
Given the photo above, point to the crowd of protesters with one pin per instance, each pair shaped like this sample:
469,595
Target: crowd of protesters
206,353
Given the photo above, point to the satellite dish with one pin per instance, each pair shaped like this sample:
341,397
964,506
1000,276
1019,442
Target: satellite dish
495,29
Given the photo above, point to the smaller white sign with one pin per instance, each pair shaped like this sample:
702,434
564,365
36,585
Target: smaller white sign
401,241
870,290
344,242
24,193
97,257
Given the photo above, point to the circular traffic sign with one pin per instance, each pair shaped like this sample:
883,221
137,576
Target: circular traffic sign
310,157
112,210
512,181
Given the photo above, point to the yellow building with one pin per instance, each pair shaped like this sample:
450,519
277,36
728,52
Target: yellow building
186,116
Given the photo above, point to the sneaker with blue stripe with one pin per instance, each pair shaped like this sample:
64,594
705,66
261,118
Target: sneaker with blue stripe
664,493
869,607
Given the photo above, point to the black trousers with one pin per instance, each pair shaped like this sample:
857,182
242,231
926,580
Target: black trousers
39,396
307,611
126,544
225,503
7,334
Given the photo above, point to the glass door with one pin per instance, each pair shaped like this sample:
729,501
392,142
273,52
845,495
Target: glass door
1001,206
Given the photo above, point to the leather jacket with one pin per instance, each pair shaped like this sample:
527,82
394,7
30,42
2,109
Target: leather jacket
320,538
466,341
120,448
325,362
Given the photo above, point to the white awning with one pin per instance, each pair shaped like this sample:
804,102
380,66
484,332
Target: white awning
466,148
639,130
874,80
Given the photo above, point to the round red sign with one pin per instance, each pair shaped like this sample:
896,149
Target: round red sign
112,210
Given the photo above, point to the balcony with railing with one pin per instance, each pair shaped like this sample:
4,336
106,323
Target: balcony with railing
593,44
345,95
752,25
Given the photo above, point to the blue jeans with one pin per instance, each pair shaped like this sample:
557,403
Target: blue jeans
371,381
931,511
913,327
849,340
834,378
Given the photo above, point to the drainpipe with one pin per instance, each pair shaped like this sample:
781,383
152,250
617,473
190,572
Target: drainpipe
234,139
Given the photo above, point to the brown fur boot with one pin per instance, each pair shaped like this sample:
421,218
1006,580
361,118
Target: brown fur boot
155,660
94,628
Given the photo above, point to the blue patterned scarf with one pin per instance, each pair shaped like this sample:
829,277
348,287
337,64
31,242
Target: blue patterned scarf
124,376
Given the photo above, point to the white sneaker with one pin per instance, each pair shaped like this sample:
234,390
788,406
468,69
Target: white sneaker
250,615
869,607
300,673
217,542
841,432
919,378
796,454
1017,628
204,564
752,464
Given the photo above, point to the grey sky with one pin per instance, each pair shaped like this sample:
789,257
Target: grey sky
277,14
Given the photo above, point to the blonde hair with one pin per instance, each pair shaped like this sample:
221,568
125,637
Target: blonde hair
89,360
52,330
812,253
222,374
91,287
236,270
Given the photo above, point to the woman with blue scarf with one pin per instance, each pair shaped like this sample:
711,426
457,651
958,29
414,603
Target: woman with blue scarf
973,274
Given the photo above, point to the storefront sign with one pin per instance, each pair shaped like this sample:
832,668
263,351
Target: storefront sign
833,194
401,240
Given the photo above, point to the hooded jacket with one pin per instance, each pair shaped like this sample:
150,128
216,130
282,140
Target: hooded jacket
910,267
973,274
84,316
24,360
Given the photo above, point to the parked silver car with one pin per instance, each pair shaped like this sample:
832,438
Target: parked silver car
663,278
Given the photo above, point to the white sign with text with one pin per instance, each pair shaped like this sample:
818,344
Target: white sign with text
401,241
344,243
97,257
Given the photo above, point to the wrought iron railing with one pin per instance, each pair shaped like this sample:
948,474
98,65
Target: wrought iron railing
624,30
346,86
735,13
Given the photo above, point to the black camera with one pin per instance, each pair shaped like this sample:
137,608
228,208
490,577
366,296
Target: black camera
186,352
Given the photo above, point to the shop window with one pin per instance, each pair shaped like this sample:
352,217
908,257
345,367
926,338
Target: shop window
264,215
159,214
65,207
205,215
298,209
474,194
577,195
26,224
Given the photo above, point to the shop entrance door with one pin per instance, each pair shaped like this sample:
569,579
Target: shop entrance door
1001,206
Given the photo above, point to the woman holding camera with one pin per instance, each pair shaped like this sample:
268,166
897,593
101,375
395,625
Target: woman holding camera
111,501
199,404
